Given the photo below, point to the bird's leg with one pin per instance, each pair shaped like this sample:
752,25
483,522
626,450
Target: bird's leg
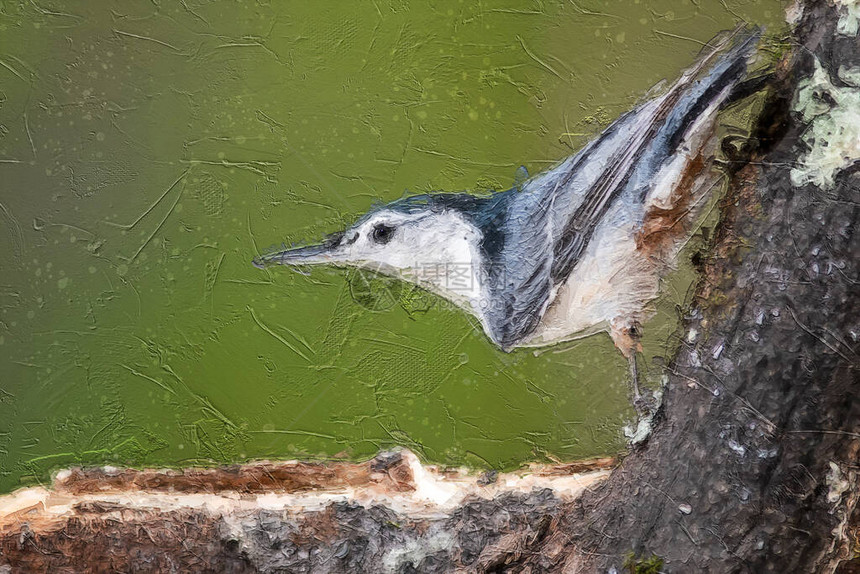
634,379
644,405
626,335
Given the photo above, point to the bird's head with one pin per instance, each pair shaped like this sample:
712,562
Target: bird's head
423,239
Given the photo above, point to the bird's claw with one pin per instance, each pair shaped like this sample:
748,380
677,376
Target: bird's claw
644,406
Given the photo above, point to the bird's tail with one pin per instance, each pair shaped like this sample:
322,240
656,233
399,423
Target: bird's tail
711,81
682,152
653,133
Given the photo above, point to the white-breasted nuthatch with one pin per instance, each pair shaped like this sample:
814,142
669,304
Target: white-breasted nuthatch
574,250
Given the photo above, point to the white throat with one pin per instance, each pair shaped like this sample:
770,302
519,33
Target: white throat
447,260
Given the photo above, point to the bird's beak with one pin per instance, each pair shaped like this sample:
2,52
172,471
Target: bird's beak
326,252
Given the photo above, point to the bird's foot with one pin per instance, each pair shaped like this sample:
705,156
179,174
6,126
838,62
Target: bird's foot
646,404
646,408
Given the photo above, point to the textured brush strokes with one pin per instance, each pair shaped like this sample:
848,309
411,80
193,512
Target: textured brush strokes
149,150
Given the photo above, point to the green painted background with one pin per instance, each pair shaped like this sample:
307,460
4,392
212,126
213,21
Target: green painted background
149,149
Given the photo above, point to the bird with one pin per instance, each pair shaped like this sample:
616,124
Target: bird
575,250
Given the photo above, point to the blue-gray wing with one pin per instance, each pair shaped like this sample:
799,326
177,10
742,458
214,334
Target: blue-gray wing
551,219
519,266
520,273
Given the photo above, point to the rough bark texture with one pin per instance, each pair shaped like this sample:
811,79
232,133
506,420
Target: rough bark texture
342,538
752,465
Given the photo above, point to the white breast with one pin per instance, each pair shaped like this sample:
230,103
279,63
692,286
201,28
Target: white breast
613,279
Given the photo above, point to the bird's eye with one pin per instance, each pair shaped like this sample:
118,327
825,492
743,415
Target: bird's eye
382,233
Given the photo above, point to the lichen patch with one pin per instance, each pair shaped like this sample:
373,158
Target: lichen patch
832,135
849,17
